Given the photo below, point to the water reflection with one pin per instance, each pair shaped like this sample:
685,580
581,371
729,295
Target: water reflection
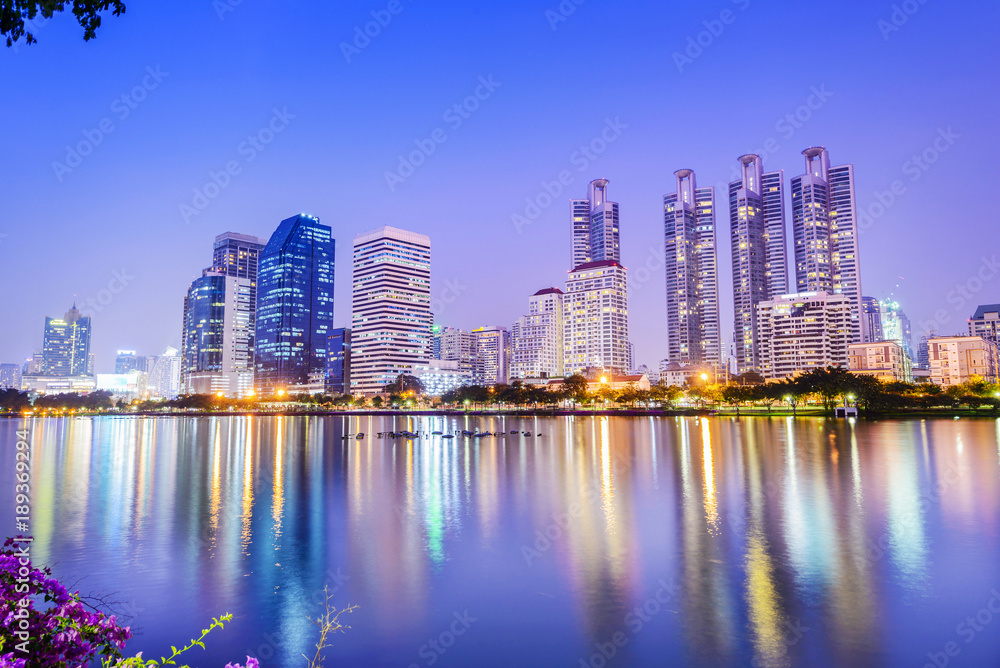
791,542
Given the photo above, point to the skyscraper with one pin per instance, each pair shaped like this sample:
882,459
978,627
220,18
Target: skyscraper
757,236
294,306
217,348
492,356
538,337
693,335
458,346
391,308
10,376
896,326
127,360
595,226
338,362
165,376
824,222
871,320
595,318
66,345
238,255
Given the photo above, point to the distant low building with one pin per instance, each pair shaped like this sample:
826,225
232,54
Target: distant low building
45,384
885,360
957,359
614,382
804,331
440,376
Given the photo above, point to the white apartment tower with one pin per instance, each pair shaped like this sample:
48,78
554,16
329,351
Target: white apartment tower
693,335
825,227
803,331
493,352
538,337
595,226
757,236
595,318
391,308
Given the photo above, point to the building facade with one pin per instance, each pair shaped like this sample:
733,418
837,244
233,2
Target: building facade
803,331
595,227
493,356
825,230
958,359
338,362
164,380
538,337
294,312
985,322
595,318
391,308
693,329
66,345
457,345
884,360
757,237
871,320
896,326
217,346
10,376
440,376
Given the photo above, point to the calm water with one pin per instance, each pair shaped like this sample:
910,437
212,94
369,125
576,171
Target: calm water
687,541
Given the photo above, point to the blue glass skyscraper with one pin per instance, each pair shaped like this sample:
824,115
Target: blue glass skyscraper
294,306
338,362
66,345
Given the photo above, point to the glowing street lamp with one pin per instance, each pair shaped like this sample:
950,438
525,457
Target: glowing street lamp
281,393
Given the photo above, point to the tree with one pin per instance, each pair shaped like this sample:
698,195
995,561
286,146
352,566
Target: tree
575,387
14,14
403,384
735,395
377,402
665,393
14,401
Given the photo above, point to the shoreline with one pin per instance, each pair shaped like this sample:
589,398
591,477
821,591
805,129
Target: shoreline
949,414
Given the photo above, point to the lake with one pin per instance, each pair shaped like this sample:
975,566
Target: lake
596,541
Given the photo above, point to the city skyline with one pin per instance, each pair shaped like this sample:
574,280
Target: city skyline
864,108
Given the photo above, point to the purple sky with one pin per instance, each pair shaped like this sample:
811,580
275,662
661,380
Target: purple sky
887,96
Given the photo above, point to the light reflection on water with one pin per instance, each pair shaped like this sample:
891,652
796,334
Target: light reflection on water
700,541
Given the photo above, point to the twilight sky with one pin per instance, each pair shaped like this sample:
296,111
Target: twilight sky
172,93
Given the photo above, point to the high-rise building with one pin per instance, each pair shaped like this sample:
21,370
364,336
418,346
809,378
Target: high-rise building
217,348
391,309
10,376
595,318
238,255
538,337
127,360
294,306
923,360
458,346
985,322
896,326
164,380
803,331
693,330
66,345
33,365
871,320
492,356
825,227
338,362
757,236
595,226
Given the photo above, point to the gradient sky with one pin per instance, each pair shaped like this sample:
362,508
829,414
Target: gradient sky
229,64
